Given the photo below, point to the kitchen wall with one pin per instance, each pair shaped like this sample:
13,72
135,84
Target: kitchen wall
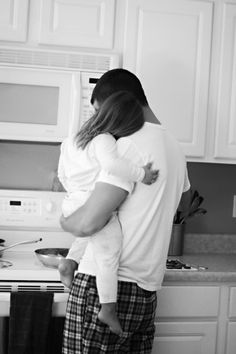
26,165
217,184
33,166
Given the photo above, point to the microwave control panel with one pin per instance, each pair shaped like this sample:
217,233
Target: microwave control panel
88,82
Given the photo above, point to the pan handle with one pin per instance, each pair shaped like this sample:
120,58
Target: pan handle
20,243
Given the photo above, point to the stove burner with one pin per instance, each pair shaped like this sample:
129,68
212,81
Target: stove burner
5,264
176,264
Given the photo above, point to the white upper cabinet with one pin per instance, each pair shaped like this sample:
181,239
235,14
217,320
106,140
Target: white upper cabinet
81,23
14,20
68,23
184,52
225,141
167,44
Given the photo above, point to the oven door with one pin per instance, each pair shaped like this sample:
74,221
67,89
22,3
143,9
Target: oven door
58,311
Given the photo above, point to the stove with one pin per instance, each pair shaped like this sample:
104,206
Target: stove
27,215
176,264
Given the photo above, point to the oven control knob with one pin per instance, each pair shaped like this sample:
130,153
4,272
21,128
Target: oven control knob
49,207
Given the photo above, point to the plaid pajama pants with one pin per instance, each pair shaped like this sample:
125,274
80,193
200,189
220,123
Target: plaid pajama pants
84,333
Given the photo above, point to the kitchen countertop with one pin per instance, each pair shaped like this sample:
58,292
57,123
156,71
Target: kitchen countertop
221,268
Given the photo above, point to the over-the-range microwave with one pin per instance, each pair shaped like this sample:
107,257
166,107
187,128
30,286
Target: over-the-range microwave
38,104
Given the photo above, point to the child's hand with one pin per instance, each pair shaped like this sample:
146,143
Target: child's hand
150,175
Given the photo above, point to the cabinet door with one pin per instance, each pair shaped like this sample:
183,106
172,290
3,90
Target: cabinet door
231,338
13,20
185,338
83,23
225,143
231,327
167,44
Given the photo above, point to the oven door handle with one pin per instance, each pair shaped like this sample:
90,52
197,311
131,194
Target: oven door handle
58,307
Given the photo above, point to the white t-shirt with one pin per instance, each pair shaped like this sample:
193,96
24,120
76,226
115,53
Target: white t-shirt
78,169
147,214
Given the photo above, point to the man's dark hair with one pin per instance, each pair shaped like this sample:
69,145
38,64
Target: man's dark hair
118,80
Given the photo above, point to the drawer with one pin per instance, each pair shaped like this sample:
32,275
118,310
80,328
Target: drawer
188,301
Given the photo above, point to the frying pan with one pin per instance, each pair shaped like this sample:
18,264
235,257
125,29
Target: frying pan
51,257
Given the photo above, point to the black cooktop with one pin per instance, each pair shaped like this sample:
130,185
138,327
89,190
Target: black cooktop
176,264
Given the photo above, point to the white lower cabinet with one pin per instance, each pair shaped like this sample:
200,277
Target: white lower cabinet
231,327
231,338
185,338
187,320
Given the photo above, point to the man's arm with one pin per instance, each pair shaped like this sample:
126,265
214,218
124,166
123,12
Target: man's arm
96,212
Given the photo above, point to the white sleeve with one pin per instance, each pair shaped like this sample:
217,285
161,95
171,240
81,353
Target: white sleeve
104,177
107,155
186,181
60,169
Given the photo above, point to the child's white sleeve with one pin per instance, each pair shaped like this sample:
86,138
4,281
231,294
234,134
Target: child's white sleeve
107,155
60,169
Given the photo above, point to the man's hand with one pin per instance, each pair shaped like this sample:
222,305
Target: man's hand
96,212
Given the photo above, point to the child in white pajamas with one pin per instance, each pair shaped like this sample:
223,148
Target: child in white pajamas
82,158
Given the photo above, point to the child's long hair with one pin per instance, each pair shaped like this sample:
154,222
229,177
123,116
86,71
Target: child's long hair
120,115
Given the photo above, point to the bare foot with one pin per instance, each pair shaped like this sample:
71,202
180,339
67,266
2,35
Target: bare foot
108,316
67,269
